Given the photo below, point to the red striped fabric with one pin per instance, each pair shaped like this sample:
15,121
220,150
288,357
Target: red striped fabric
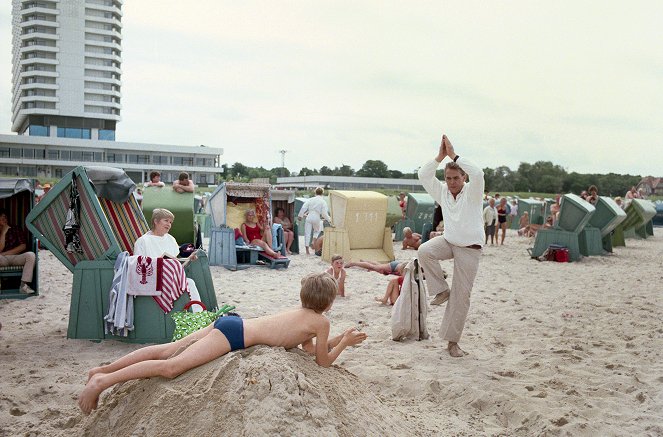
171,280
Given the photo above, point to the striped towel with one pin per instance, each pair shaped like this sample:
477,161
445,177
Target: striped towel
171,281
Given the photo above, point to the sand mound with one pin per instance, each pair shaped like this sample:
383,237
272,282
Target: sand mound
258,391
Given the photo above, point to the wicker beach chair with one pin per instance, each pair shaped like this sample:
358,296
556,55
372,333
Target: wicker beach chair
107,226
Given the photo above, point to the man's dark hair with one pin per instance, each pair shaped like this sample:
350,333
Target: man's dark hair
3,211
183,176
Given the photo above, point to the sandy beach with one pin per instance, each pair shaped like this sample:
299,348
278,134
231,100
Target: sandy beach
554,349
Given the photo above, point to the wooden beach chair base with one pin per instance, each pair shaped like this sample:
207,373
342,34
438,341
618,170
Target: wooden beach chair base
274,263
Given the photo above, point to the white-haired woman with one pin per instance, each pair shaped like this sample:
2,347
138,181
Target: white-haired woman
157,242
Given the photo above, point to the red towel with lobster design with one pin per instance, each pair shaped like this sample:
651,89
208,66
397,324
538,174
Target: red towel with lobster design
162,278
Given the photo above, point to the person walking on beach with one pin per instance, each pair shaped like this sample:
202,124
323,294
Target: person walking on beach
462,207
316,207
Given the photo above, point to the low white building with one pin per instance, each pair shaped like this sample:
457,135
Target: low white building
52,157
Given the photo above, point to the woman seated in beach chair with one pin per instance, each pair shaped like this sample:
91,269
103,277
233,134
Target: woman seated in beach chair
256,234
288,233
157,243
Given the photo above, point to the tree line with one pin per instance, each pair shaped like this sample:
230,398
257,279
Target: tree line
540,177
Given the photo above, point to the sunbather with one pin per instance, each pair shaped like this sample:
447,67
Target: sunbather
13,252
254,233
392,292
288,233
287,329
391,268
411,239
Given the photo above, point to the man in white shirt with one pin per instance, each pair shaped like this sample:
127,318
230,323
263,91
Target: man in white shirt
462,209
316,207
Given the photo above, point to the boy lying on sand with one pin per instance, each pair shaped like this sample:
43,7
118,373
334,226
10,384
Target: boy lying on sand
287,329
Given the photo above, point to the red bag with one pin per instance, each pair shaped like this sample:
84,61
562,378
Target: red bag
562,255
557,253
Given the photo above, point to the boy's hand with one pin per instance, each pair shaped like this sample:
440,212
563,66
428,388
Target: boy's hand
352,337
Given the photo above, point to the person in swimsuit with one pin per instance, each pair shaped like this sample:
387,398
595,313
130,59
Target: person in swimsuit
338,273
402,204
391,268
252,232
288,233
305,326
411,239
502,212
393,291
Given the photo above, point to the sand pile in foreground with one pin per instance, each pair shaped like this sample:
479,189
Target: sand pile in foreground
258,391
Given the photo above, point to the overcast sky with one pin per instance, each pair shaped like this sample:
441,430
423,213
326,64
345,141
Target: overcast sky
578,83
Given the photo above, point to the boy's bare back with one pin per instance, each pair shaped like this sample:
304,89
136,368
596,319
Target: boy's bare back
287,329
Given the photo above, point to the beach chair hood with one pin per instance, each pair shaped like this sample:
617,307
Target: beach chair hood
111,183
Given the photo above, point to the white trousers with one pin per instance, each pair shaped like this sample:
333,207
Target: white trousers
312,228
466,264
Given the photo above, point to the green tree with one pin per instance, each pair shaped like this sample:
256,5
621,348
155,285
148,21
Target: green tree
307,172
326,171
344,170
239,169
374,169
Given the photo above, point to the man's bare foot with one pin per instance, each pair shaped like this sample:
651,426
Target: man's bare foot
93,371
87,400
380,299
455,350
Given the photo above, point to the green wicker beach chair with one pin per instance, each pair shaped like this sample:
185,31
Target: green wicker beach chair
108,226
574,214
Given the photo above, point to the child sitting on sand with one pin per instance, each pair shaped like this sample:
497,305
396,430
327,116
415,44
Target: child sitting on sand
287,329
338,273
393,291
411,239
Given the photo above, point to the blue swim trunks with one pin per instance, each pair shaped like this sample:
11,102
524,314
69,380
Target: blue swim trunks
233,328
393,265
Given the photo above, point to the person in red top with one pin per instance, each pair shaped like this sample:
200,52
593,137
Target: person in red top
252,232
13,252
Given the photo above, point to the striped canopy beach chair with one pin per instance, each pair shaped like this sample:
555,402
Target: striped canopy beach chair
110,222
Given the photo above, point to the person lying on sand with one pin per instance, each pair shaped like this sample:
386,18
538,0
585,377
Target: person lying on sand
411,239
391,268
287,329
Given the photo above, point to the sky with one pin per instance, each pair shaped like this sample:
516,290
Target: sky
578,83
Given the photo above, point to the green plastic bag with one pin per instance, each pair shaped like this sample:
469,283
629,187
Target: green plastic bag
187,323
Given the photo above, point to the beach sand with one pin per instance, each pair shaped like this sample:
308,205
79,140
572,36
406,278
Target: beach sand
553,349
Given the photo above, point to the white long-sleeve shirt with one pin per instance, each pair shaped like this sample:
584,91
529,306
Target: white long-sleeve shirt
317,209
463,216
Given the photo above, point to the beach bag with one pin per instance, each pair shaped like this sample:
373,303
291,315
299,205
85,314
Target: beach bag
187,323
557,253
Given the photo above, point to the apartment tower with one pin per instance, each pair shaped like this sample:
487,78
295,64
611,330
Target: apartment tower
67,59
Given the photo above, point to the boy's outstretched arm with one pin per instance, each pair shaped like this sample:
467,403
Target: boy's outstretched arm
325,357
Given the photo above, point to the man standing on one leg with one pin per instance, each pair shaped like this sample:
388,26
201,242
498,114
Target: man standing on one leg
462,209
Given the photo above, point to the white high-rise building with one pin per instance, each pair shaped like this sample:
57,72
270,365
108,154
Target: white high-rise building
67,67
67,75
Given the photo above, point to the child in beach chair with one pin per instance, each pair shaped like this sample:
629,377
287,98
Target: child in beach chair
287,329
